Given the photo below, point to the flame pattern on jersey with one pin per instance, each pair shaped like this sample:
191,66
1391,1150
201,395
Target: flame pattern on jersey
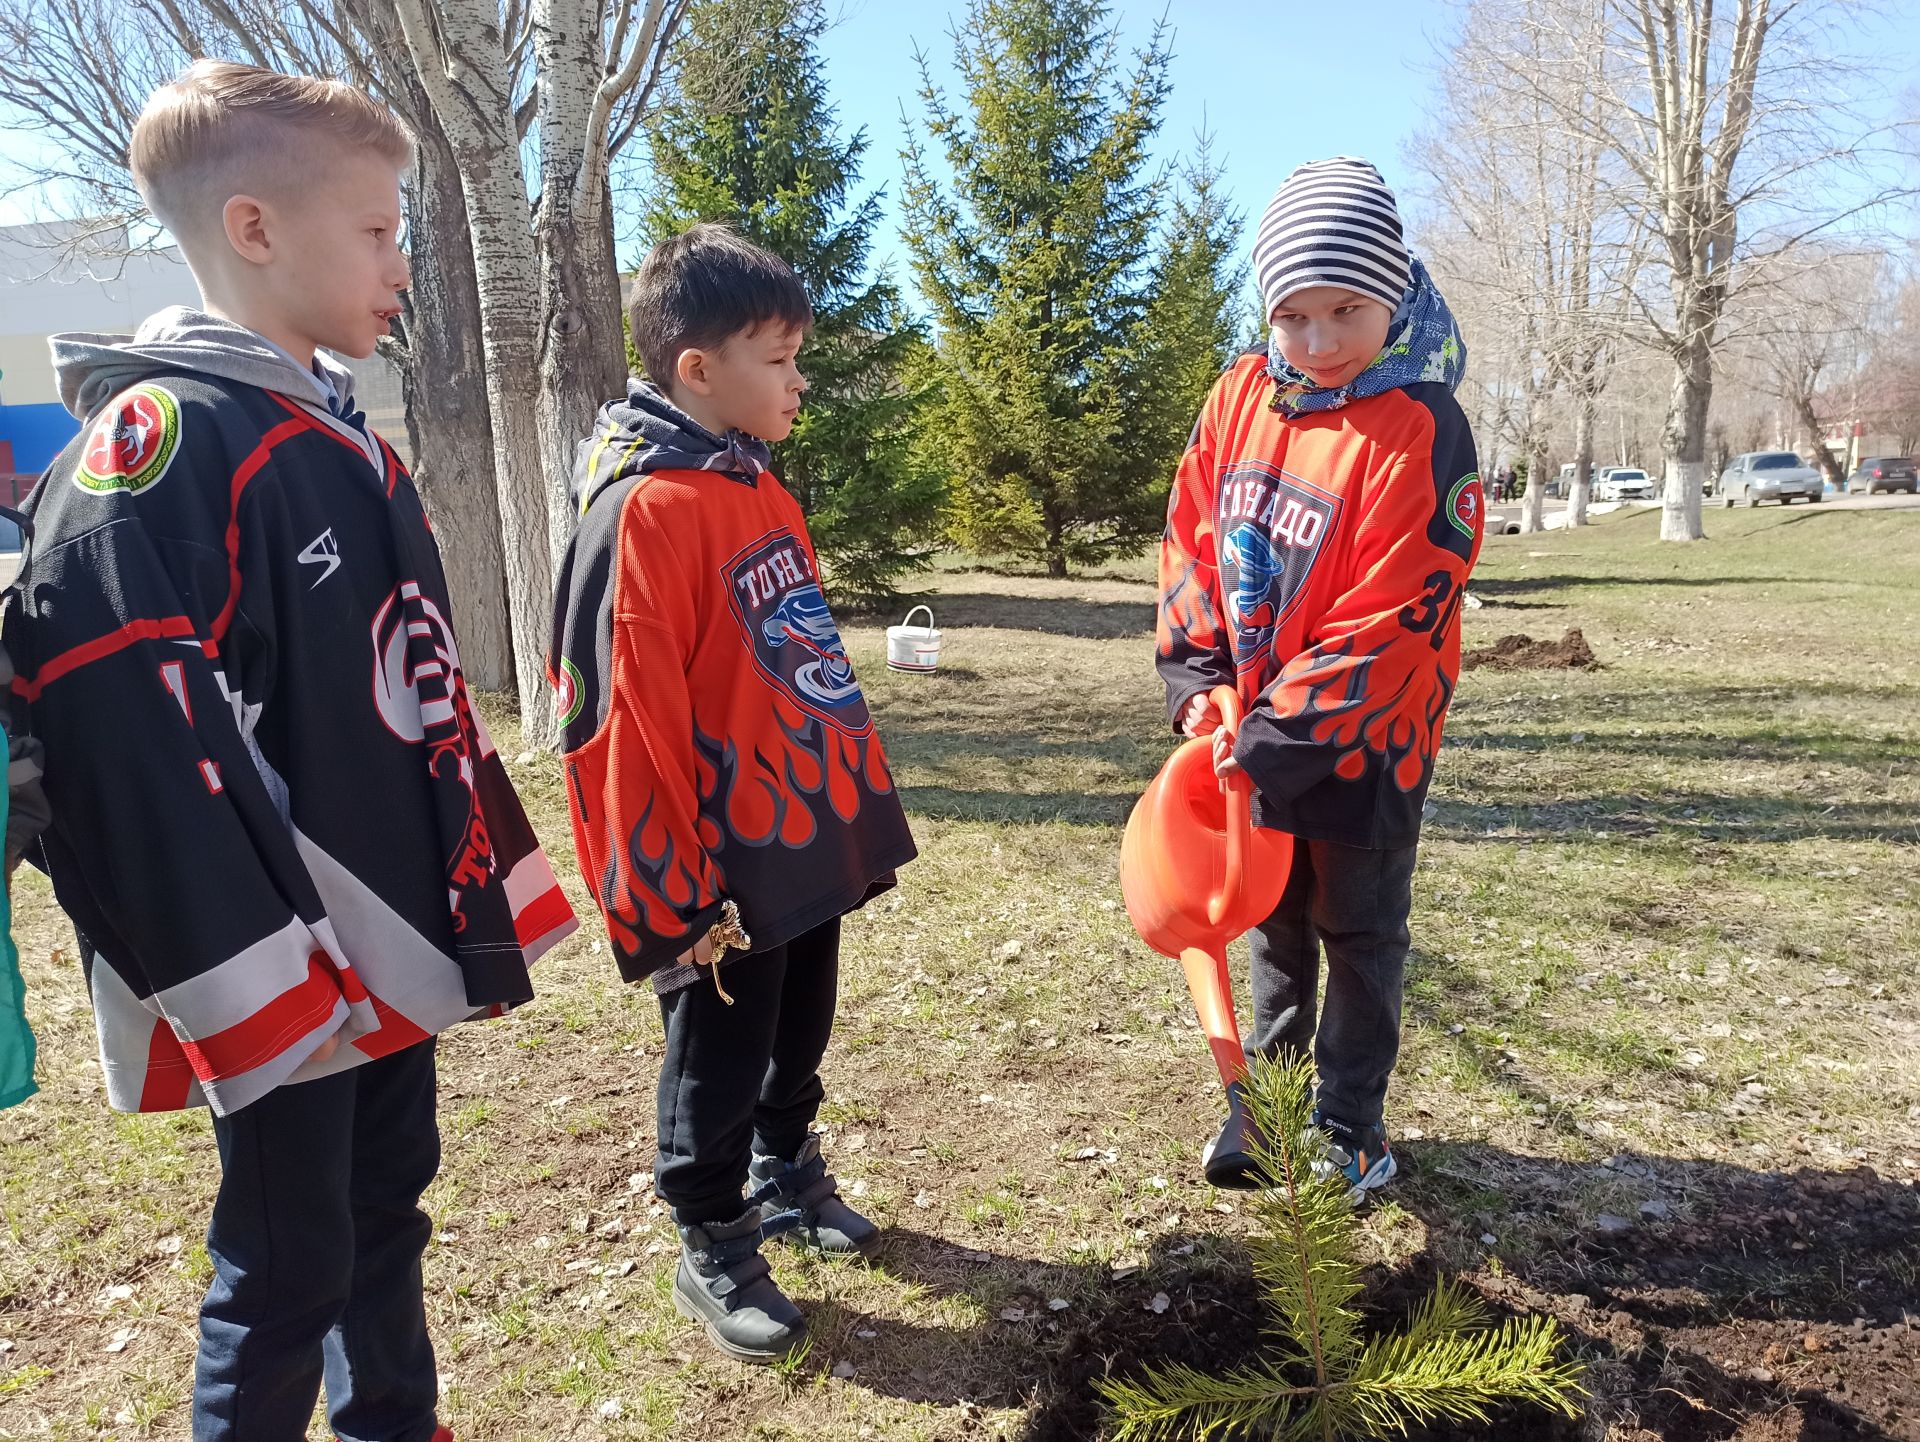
717,744
1318,565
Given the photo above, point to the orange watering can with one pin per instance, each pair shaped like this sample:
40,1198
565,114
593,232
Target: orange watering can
1196,873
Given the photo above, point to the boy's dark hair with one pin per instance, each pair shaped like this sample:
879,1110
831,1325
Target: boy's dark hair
699,289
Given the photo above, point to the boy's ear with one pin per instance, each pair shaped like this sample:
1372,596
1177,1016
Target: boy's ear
245,222
691,369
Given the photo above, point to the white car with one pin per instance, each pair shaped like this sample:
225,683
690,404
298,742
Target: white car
1624,483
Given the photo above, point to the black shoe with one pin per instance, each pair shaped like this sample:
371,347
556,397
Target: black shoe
800,1200
1228,1159
726,1286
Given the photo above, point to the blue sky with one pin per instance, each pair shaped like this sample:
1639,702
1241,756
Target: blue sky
1276,83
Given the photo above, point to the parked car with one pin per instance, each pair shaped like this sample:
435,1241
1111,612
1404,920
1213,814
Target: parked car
1625,483
1885,473
1769,476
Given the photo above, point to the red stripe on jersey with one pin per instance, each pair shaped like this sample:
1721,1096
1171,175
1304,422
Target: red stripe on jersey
249,468
169,1074
313,424
396,1032
344,977
296,1012
545,913
393,466
74,658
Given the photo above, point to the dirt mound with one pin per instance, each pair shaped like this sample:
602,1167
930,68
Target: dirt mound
1522,653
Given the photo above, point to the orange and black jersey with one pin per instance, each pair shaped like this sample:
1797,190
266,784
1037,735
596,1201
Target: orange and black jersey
1318,564
717,744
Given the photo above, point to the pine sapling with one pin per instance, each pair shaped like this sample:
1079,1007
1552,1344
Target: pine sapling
1321,1379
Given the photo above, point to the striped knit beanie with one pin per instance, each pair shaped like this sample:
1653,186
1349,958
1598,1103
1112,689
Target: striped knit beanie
1332,222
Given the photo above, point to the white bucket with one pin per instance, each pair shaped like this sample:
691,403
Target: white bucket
913,648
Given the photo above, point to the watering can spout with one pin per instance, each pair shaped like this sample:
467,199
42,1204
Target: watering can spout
1212,993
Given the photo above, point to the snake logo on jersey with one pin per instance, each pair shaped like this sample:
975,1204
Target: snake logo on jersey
1272,529
422,698
775,594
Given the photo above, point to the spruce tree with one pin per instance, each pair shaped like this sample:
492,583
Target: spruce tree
1032,235
1194,324
752,142
1320,1378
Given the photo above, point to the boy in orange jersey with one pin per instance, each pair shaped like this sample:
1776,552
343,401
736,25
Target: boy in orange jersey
721,767
1322,526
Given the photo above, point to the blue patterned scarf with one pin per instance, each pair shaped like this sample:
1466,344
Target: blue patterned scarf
1423,344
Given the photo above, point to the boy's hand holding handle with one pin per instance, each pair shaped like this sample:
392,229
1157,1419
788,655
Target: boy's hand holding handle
1201,718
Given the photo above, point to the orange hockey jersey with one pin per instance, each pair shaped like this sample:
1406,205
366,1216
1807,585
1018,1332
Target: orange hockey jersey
717,745
1318,564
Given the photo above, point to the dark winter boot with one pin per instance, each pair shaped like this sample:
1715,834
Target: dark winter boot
801,1202
726,1286
1228,1159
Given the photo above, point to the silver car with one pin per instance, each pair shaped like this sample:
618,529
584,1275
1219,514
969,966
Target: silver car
1770,476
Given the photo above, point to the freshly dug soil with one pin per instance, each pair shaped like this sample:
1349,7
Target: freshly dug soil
1689,1334
1522,653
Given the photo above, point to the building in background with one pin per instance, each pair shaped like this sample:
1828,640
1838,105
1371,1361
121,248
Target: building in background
75,276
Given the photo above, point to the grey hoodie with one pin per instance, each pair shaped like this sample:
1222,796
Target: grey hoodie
93,366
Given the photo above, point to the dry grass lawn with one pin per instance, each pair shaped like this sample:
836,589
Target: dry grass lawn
1666,923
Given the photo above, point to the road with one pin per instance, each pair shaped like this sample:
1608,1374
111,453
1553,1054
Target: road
1509,511
1504,512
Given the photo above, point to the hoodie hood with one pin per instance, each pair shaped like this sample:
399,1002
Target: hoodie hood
1423,345
93,367
647,432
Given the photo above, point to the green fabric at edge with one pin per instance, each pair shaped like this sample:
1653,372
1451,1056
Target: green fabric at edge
16,1040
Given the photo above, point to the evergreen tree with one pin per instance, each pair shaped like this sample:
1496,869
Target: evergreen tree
1034,250
1319,1378
1194,322
754,145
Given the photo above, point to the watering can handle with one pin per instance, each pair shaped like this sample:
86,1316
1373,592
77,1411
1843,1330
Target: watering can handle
1237,792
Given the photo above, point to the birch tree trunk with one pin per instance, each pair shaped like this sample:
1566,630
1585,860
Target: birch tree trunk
1685,439
583,358
1533,502
444,381
462,62
1586,406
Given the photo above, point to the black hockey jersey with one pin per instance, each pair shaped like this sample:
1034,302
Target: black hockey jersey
277,814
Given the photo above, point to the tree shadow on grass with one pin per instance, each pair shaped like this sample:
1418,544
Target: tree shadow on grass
1698,815
1498,589
1775,748
1017,808
1734,1296
1053,615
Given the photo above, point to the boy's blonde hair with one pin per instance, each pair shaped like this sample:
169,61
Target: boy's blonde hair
222,129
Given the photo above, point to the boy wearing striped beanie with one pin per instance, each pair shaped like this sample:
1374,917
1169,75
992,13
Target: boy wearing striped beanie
1321,529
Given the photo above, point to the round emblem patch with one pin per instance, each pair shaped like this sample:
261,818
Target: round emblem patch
1464,503
131,444
569,694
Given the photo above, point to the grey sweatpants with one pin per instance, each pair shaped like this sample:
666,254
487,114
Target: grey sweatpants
1355,902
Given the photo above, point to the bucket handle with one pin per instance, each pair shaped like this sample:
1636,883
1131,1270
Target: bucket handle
908,619
1237,792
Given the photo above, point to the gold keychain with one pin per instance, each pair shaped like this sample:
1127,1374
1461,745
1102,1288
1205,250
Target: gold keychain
726,933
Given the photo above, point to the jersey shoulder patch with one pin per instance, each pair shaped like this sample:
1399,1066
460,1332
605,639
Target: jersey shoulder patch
131,443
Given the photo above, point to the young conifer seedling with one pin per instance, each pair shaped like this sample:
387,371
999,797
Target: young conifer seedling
1321,1379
